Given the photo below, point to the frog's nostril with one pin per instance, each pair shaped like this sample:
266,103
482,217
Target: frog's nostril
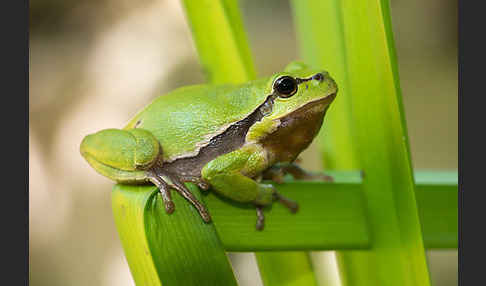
318,77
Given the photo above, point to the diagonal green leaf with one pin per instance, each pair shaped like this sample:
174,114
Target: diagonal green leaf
162,249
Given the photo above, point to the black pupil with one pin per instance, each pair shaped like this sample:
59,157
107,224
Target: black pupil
286,85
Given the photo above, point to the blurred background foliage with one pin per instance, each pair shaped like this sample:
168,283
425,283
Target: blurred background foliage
95,63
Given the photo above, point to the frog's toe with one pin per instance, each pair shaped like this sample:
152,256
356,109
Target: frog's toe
300,174
260,218
290,204
169,206
203,185
164,191
184,191
322,177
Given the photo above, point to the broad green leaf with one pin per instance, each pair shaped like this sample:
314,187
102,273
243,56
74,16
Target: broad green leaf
162,249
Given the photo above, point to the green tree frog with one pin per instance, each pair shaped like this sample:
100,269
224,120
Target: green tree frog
226,138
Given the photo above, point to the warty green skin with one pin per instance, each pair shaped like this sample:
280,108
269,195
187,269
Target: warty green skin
187,120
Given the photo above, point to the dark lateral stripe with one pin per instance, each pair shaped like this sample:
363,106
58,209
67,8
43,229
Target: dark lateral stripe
231,139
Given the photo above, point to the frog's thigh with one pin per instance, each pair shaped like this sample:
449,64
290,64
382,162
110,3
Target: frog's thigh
229,175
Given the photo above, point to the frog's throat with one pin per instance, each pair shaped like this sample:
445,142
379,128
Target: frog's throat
297,129
120,176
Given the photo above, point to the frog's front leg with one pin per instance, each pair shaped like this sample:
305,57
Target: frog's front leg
231,176
277,172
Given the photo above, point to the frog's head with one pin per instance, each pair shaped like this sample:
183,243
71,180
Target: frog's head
300,86
121,155
297,101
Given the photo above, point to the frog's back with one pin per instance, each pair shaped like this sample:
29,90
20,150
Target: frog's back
187,118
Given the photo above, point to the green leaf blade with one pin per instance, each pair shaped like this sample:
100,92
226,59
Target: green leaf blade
163,249
128,212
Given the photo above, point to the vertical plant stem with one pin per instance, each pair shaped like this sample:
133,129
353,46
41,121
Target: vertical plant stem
321,42
286,268
364,57
223,50
220,40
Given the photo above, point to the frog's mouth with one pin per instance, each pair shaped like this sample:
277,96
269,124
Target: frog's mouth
316,106
309,116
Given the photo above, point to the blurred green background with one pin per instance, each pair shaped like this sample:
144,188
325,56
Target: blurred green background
95,63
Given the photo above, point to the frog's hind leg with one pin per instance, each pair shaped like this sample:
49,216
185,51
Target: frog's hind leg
164,190
184,191
166,183
260,218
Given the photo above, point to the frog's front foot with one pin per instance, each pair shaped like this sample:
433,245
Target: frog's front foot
275,196
276,173
319,177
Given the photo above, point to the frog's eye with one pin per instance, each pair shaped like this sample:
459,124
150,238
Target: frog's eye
286,86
